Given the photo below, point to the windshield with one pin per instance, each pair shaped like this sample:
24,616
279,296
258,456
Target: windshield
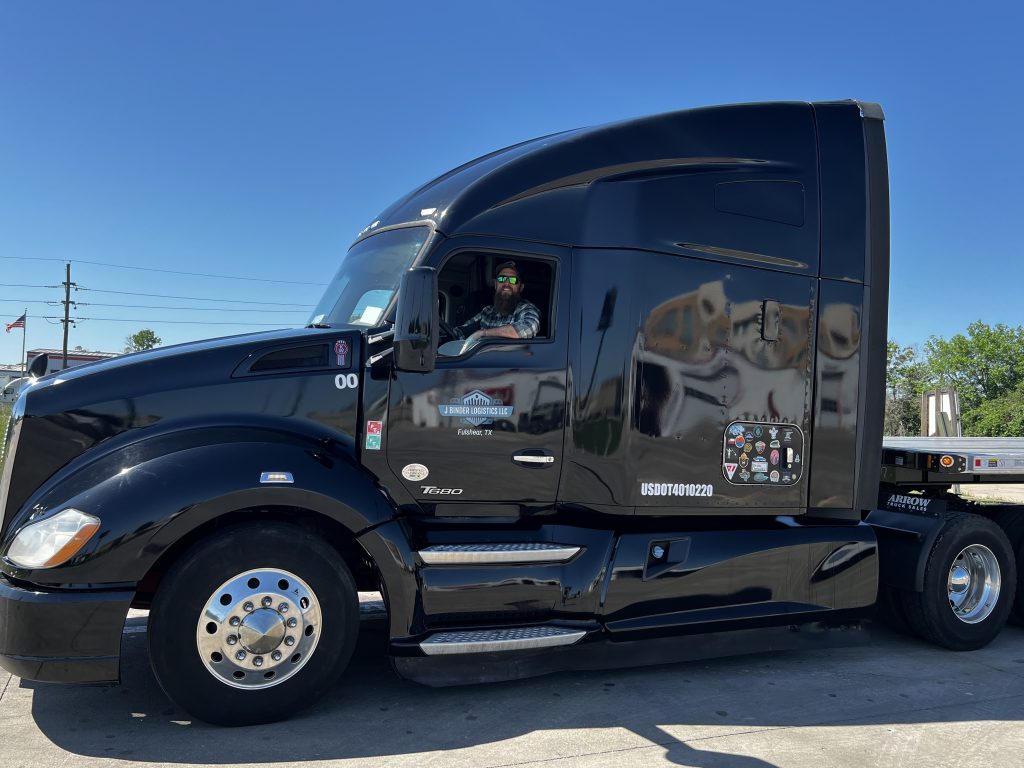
368,278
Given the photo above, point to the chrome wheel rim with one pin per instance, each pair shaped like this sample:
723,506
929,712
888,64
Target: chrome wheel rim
258,628
973,584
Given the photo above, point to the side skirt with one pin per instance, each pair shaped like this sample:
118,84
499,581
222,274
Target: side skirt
466,669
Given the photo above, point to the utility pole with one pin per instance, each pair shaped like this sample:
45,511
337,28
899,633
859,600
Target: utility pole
67,308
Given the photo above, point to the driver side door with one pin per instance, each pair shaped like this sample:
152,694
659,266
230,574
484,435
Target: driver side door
482,434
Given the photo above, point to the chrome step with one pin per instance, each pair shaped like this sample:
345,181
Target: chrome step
490,640
486,554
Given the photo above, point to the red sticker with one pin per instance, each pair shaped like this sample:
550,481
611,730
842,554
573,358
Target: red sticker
374,427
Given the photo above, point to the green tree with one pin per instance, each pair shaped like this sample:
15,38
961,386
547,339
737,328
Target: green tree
904,381
142,340
986,368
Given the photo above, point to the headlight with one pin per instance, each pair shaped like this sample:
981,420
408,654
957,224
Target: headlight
52,541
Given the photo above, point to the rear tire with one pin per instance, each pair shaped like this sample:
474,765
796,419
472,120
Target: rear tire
969,584
253,624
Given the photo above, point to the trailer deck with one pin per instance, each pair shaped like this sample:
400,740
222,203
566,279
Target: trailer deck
920,461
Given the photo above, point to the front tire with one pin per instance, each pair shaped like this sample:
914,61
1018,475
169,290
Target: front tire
253,624
969,584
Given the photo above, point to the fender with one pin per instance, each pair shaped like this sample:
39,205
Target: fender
150,494
905,540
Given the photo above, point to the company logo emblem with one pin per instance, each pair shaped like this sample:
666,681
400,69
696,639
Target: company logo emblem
760,477
736,429
476,408
748,447
787,436
775,444
730,470
917,503
341,352
757,431
759,446
740,441
774,432
774,458
759,465
774,476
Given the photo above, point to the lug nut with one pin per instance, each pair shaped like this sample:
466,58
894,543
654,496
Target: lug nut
289,641
240,655
266,601
258,661
232,639
283,608
248,607
276,655
292,622
235,621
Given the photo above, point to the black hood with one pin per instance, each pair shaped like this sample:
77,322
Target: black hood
279,381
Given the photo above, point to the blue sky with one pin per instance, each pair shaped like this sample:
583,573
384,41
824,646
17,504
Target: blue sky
255,139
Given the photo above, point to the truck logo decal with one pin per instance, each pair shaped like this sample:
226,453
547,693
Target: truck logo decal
476,408
433,490
341,353
730,470
917,503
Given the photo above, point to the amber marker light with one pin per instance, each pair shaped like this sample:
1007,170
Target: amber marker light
53,541
946,461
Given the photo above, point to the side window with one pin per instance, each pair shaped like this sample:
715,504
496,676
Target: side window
472,299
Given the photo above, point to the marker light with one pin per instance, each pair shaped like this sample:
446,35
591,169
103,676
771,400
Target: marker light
52,541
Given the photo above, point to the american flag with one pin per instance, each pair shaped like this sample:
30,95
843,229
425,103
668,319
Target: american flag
19,323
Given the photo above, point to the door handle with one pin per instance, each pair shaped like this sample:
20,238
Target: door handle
533,459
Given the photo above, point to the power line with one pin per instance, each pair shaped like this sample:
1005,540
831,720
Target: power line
192,298
163,271
154,322
193,309
26,285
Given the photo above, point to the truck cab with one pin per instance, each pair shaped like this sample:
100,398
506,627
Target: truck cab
680,460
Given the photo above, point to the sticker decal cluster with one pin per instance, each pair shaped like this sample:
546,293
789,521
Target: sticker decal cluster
373,435
762,453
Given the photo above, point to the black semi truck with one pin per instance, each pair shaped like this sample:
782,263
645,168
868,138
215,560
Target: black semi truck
685,459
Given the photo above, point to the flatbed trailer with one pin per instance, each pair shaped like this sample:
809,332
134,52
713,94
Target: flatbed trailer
943,461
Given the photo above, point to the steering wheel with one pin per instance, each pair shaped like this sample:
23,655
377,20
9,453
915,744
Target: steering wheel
446,329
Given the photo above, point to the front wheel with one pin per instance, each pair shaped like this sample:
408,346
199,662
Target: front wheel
969,584
253,624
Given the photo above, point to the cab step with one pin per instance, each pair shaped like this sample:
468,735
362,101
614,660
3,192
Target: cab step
495,554
491,640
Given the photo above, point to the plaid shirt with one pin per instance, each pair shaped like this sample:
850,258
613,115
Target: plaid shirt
525,318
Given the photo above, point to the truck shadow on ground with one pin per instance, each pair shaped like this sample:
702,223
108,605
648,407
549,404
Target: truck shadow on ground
676,712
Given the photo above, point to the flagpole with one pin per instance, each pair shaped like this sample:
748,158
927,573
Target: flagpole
24,332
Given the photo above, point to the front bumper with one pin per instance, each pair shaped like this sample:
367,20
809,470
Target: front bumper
62,636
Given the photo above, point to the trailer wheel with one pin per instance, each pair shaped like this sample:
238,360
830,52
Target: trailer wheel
969,584
253,624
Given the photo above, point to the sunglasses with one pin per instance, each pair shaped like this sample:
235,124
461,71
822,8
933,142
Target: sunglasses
510,279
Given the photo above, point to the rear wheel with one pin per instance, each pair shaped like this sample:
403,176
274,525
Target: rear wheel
253,624
969,584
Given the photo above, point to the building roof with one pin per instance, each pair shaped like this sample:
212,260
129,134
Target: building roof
76,354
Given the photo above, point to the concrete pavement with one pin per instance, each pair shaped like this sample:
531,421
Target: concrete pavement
894,701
